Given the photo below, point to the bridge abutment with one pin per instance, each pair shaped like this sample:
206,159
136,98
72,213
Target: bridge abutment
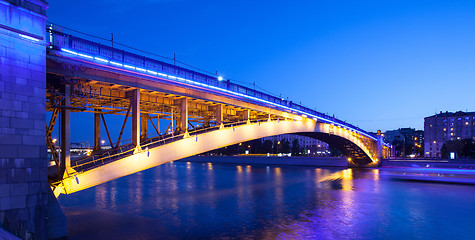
24,187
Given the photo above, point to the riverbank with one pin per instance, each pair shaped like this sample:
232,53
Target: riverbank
273,160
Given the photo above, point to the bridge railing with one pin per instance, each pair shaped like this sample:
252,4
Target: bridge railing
122,151
60,40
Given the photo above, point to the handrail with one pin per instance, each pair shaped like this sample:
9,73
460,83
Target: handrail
164,140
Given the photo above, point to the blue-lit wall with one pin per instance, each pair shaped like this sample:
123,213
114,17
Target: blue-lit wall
24,187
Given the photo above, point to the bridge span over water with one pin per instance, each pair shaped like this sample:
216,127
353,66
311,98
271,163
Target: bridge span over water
203,112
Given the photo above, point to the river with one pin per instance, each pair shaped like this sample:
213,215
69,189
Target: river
191,200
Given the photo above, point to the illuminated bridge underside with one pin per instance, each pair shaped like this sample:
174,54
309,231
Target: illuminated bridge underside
196,144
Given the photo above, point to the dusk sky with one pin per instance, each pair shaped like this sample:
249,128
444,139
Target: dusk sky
376,64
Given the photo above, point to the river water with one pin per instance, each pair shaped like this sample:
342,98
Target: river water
183,200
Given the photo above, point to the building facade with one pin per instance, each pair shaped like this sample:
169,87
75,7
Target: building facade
405,142
447,126
310,145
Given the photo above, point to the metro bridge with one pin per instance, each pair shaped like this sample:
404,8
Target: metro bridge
203,111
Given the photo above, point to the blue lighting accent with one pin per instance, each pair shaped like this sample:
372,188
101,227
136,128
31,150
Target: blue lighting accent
116,63
101,60
129,67
85,56
69,51
150,72
28,37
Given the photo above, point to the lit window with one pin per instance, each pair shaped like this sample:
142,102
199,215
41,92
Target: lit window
445,129
451,134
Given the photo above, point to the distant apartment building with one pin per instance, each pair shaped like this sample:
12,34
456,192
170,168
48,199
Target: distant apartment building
405,142
447,126
312,146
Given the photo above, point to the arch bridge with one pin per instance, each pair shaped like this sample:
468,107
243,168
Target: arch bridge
203,113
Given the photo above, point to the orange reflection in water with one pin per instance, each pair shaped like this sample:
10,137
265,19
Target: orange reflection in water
347,180
210,166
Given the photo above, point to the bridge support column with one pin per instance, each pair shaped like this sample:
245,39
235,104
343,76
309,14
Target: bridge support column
183,121
97,131
135,102
65,166
218,111
143,126
246,115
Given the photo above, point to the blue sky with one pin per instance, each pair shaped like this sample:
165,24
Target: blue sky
377,64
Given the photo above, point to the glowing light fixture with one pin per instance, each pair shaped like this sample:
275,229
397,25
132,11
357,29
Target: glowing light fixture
220,78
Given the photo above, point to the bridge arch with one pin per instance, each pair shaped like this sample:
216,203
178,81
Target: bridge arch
221,137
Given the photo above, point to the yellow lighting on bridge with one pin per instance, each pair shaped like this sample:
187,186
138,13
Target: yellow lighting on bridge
188,147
